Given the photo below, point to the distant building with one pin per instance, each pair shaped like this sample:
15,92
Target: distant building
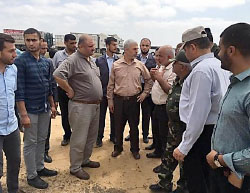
99,40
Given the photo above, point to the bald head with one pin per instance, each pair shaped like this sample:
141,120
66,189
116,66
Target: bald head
165,53
86,45
84,38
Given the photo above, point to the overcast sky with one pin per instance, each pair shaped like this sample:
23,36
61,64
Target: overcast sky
163,21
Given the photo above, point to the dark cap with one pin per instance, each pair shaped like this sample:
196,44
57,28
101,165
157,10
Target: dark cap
181,57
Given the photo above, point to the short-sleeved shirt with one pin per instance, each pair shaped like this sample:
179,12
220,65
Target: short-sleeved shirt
159,96
82,75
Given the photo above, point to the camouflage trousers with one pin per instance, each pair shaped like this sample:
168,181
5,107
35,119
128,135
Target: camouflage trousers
169,163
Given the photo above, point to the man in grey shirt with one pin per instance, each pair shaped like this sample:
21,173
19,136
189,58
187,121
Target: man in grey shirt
79,76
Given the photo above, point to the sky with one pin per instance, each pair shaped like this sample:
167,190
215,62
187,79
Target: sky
162,21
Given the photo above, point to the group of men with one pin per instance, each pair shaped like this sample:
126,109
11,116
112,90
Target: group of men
195,109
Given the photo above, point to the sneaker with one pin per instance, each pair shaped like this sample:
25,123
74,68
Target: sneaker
46,172
65,142
38,183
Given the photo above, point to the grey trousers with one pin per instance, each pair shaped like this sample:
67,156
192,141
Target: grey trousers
84,121
10,144
34,143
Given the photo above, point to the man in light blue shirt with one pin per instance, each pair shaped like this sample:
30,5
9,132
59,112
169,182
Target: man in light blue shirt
9,133
231,137
201,94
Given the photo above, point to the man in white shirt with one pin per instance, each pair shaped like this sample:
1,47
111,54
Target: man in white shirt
164,78
199,106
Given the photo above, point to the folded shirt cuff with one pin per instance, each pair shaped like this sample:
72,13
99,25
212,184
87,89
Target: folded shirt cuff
228,159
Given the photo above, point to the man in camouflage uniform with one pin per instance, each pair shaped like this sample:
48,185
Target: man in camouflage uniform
182,68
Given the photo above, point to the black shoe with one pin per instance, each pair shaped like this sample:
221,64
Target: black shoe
116,153
46,172
136,155
127,138
157,188
145,140
65,142
37,182
98,143
158,169
153,155
47,158
150,147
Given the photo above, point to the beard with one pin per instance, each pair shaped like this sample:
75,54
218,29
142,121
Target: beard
225,62
144,52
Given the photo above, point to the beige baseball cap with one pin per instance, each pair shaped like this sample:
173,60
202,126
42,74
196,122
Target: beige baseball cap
192,34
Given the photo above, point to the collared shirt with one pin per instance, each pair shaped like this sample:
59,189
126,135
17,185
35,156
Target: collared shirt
231,135
201,94
34,82
82,75
159,96
125,79
143,59
110,61
8,85
59,57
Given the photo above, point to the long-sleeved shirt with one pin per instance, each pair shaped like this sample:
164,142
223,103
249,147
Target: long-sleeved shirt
231,135
125,79
200,98
34,82
8,85
159,97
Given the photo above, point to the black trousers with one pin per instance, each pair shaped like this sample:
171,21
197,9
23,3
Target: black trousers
147,107
126,110
63,103
160,128
196,168
220,184
47,144
103,110
10,145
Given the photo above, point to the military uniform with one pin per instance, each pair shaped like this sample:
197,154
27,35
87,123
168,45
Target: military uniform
176,129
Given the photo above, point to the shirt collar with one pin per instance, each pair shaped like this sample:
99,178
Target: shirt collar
241,76
144,57
108,57
122,60
64,51
205,56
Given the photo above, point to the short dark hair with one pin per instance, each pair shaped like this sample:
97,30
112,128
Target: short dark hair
108,40
209,34
237,35
32,31
202,43
5,38
68,37
146,39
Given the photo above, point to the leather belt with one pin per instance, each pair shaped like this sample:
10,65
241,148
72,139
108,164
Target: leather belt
126,98
87,102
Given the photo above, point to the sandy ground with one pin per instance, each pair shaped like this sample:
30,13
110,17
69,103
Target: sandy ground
123,174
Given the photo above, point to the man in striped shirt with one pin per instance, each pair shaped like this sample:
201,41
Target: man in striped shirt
35,104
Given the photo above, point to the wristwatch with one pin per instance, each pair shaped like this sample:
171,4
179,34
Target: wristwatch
216,161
